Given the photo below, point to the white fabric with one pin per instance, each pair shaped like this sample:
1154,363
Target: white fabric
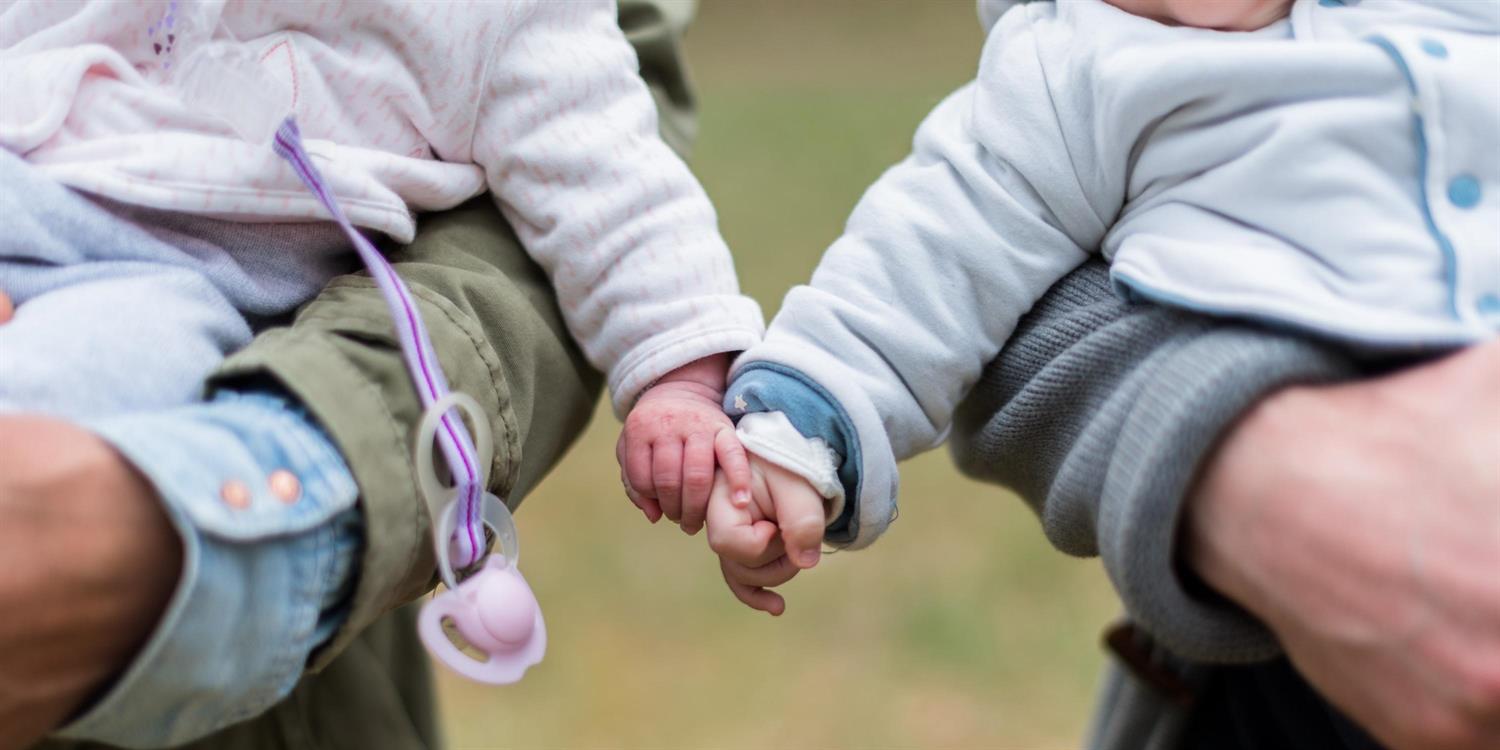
403,106
771,436
1275,174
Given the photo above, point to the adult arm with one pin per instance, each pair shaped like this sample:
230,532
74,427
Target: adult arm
1099,412
1361,522
88,561
1181,449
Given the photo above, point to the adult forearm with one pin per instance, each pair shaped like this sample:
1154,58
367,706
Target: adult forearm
1362,523
88,561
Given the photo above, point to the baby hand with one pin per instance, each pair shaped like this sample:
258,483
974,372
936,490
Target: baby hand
766,542
673,439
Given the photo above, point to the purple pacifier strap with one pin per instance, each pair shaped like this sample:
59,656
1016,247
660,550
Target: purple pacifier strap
453,438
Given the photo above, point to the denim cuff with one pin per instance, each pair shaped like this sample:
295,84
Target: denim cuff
271,539
766,386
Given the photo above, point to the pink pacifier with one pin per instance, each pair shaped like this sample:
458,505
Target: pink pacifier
493,609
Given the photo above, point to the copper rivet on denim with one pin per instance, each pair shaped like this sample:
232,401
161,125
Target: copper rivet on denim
235,494
285,486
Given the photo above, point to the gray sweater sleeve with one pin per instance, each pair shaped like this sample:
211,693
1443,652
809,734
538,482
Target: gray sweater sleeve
1098,413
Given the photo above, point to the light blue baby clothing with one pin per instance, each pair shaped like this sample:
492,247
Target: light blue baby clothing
121,313
1336,173
122,308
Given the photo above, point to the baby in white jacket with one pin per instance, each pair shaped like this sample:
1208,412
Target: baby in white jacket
1329,166
151,233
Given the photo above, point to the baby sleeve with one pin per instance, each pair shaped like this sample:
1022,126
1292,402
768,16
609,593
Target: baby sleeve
938,261
567,135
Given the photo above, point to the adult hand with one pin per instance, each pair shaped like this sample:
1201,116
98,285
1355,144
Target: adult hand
88,561
1361,522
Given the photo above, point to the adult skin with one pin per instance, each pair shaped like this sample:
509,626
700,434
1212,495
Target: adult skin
1392,611
88,561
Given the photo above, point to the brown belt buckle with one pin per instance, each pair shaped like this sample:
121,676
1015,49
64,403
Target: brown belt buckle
1134,648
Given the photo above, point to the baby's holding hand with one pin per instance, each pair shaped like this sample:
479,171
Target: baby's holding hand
671,442
765,539
680,457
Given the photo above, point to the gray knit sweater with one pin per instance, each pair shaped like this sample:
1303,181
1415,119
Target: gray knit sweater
1098,412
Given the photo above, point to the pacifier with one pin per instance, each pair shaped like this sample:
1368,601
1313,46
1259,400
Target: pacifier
493,609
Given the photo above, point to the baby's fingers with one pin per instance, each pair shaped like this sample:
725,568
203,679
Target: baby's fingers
635,462
635,468
735,463
647,505
799,514
770,575
697,480
754,597
734,534
749,543
666,476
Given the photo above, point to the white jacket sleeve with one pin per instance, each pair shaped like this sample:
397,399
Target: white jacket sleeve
567,135
939,260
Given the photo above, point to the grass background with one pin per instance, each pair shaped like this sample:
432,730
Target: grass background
961,628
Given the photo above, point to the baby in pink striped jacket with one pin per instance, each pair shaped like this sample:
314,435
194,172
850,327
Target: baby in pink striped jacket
404,108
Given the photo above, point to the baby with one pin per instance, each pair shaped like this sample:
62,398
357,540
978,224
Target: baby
144,235
1328,166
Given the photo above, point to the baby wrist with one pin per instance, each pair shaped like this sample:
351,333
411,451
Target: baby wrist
710,372
771,436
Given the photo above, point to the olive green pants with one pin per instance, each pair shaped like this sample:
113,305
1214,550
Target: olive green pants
494,321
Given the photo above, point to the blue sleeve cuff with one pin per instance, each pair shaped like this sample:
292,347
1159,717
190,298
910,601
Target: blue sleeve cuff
766,386
271,540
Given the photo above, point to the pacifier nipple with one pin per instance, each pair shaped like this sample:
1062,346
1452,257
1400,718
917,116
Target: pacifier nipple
506,609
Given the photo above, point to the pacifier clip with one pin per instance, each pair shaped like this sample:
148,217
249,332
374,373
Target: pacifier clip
493,609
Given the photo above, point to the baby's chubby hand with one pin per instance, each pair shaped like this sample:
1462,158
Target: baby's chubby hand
672,440
767,541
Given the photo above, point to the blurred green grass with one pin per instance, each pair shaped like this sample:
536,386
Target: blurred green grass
961,628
